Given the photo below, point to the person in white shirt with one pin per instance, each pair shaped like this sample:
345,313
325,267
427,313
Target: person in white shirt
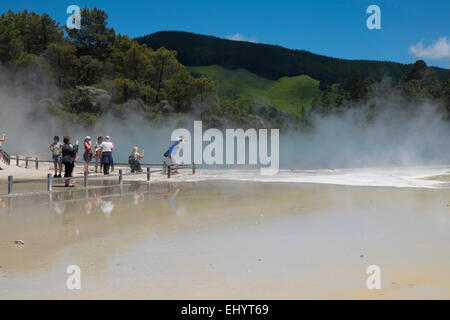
107,148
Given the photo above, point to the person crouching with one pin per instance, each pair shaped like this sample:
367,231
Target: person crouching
133,160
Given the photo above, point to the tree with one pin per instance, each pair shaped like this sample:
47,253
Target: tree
339,101
137,63
205,86
417,71
180,91
91,70
94,37
355,86
165,64
35,31
325,101
11,47
63,63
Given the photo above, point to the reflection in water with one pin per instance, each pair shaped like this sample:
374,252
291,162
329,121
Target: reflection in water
172,191
102,200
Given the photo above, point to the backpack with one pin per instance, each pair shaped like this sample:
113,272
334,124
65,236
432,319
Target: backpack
132,159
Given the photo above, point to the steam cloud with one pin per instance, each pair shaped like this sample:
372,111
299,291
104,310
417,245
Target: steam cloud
398,134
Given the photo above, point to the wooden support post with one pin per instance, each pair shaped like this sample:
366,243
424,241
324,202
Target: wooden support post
193,167
17,160
120,176
164,167
86,179
169,168
49,182
148,174
37,163
26,162
10,184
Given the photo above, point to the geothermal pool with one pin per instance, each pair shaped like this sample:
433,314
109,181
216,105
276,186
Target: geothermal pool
234,235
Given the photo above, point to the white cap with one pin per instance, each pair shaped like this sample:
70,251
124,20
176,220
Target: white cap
88,138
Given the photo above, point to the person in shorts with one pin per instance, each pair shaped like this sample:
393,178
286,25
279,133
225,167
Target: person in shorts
56,150
98,153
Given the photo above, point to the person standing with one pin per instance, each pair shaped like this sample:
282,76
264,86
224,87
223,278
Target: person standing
69,153
175,149
107,148
2,139
56,149
87,156
98,153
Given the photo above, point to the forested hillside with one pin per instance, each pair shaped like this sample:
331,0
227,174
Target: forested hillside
287,94
81,76
269,61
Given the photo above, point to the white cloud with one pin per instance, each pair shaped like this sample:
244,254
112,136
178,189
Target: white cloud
439,50
240,37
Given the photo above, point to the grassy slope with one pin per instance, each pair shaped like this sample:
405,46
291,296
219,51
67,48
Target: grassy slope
287,94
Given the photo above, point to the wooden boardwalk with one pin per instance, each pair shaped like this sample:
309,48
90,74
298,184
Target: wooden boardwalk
163,168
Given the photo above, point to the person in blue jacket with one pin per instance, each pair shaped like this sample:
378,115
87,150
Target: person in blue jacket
174,149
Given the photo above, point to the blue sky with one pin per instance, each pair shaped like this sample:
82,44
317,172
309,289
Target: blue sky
330,27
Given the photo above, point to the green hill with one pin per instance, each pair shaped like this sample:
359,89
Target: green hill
287,94
269,61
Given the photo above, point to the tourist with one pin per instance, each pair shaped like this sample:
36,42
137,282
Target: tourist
87,156
107,148
69,154
175,149
133,160
98,153
56,150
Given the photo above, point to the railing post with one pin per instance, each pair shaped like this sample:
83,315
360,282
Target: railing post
148,174
85,179
10,184
49,182
164,167
120,176
37,163
26,162
193,167
168,170
17,160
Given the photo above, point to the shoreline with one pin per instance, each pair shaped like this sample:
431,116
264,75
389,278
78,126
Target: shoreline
428,177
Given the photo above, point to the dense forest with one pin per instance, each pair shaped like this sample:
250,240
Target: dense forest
269,61
82,75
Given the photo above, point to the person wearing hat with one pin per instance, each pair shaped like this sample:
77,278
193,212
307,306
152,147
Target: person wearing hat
174,149
107,148
87,156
